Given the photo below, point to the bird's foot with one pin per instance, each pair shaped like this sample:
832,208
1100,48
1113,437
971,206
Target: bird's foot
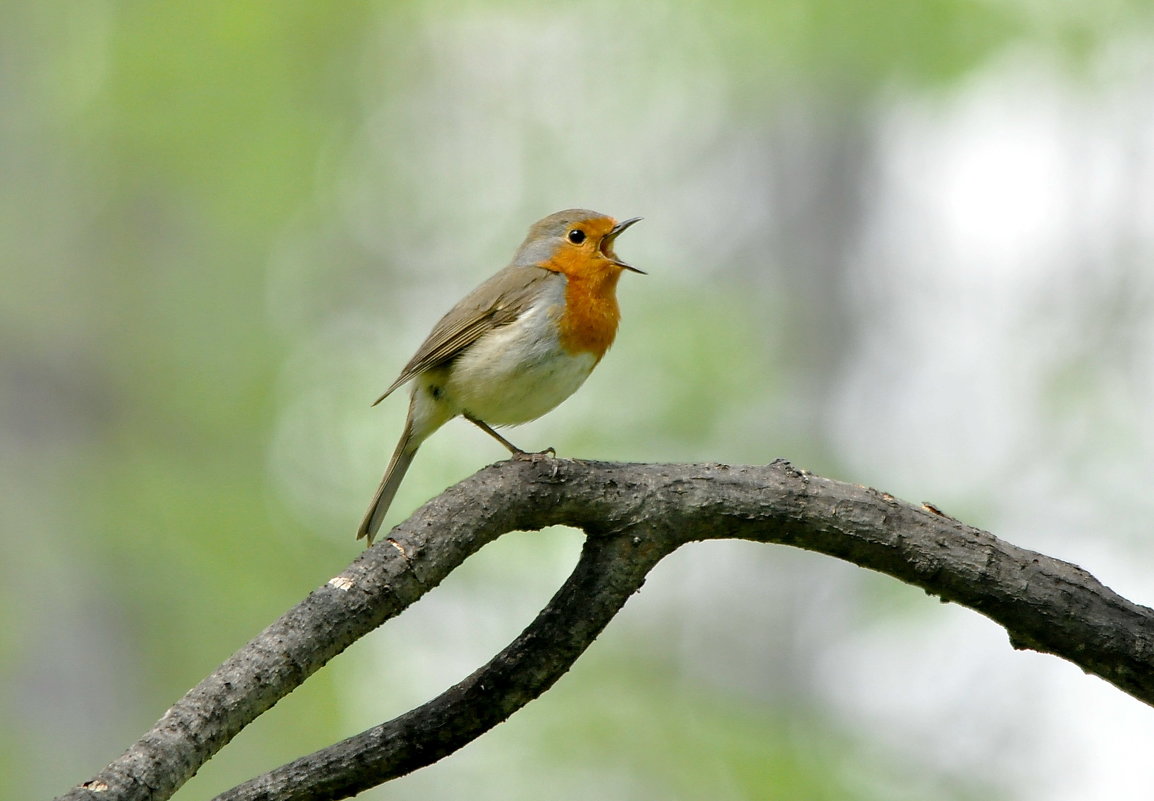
537,456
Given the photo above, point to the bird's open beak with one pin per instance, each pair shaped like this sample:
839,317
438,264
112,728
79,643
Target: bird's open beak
607,244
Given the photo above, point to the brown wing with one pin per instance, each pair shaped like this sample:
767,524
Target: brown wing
497,302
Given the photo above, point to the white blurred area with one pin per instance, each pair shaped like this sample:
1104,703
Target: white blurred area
943,293
1008,297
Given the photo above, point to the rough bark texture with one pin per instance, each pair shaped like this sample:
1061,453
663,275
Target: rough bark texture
634,516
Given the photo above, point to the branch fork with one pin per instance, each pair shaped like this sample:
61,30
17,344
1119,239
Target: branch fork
634,515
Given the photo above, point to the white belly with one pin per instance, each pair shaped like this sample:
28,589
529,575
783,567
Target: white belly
518,372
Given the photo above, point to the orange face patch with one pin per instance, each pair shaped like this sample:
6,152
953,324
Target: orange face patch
589,323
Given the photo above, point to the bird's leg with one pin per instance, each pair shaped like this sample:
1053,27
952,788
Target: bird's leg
513,449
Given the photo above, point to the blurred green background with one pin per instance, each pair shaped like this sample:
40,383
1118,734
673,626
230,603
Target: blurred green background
903,243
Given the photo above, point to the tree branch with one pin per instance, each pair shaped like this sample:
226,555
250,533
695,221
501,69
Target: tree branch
634,515
609,571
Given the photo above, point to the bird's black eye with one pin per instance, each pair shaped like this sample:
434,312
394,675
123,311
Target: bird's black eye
576,236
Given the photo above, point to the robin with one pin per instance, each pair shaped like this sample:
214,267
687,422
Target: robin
517,345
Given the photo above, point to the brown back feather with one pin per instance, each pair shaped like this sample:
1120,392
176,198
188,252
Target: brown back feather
497,302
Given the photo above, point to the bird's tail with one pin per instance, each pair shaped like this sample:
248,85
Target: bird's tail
402,458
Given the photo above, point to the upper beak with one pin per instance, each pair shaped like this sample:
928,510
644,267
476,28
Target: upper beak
607,243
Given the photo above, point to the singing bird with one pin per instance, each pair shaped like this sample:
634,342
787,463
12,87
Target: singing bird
517,345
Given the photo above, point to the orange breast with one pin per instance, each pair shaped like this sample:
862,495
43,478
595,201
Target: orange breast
589,323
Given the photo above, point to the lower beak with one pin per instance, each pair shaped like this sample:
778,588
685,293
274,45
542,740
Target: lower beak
607,243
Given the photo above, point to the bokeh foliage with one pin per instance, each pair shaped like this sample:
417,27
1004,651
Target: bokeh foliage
225,225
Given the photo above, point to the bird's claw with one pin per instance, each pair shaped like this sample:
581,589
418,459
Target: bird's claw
536,456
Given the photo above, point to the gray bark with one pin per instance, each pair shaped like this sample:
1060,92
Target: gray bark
633,515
